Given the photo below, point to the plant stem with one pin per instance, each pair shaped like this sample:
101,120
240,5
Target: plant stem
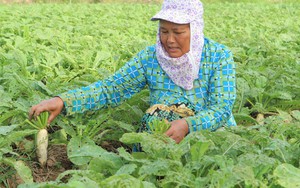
230,147
30,123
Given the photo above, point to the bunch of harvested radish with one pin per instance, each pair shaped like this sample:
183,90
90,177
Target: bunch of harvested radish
40,123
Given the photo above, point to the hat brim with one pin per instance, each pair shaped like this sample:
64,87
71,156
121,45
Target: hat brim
168,16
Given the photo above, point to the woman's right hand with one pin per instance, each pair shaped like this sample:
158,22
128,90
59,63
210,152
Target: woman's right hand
54,106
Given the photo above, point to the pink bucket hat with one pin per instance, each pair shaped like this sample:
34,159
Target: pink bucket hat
180,11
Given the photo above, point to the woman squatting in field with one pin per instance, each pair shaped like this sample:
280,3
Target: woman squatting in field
191,78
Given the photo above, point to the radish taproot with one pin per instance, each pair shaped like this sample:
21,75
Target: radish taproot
41,123
260,118
42,145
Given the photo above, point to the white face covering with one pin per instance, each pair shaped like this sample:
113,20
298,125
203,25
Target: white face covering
182,70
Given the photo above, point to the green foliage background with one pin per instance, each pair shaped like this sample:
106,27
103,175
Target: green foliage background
46,49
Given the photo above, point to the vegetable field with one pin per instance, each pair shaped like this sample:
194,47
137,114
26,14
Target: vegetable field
46,49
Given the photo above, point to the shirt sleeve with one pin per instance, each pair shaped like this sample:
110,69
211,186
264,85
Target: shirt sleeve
222,94
122,85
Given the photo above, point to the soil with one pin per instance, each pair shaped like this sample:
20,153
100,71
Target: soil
57,163
113,145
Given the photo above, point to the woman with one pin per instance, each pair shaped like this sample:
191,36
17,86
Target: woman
191,78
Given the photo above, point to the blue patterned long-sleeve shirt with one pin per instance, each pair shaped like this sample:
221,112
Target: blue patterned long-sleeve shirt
212,96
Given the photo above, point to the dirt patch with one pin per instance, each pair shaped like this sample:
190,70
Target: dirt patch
57,163
113,145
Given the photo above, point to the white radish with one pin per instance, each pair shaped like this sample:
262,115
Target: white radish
41,123
260,119
42,145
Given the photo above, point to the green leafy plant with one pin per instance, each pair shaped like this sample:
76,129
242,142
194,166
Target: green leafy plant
9,136
64,51
159,126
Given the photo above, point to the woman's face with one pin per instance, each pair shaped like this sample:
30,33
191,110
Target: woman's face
175,38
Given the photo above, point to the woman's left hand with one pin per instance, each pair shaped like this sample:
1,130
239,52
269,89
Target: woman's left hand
178,130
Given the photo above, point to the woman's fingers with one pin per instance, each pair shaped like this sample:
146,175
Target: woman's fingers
172,134
177,138
169,132
34,111
178,130
54,106
52,117
31,112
